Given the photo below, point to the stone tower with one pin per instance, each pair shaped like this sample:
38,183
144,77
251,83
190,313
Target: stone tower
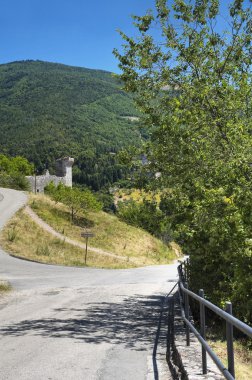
64,169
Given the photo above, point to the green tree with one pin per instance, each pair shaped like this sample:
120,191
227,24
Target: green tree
192,82
146,215
15,165
22,166
13,171
75,199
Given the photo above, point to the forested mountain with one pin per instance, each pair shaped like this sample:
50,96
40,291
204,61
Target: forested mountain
49,110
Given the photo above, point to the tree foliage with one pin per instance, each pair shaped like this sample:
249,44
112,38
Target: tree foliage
13,171
143,214
193,83
74,198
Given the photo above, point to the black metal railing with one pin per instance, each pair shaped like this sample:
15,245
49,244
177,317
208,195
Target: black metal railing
231,321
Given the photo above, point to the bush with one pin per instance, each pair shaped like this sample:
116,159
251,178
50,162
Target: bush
107,201
146,215
16,181
12,234
13,171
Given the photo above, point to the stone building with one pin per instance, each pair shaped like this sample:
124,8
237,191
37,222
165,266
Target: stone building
63,175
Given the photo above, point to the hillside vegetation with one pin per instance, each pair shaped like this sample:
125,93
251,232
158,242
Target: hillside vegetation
136,247
49,110
13,171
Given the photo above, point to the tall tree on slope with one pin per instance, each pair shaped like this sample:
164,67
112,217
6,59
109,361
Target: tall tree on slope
192,79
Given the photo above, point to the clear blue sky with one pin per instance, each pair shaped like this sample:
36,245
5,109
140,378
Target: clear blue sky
74,32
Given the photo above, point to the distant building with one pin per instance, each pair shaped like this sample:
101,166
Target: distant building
63,175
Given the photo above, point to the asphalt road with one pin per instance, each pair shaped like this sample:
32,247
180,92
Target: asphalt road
80,323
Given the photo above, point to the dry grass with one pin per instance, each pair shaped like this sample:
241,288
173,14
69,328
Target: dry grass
4,287
111,234
243,358
24,238
33,243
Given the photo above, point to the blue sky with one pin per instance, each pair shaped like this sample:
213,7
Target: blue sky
74,32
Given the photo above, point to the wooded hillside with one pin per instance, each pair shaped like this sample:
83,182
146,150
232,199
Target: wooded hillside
49,110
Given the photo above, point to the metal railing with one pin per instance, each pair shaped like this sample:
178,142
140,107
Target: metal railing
231,321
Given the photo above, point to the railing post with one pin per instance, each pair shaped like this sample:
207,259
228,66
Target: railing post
187,315
203,332
188,270
168,352
172,321
170,334
230,341
185,271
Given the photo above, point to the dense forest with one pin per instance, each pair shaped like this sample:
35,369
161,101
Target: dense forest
49,110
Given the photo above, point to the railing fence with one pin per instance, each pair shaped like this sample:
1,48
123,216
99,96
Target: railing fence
184,294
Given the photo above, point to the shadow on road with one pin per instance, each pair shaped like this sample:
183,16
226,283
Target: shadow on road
138,323
135,322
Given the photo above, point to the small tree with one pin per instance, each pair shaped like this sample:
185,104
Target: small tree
75,199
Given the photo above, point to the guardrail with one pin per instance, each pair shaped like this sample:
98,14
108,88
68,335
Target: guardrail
231,321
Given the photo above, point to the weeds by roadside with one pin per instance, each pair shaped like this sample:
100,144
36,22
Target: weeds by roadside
12,233
243,357
4,287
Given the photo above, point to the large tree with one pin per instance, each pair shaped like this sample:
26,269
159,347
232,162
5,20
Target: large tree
190,70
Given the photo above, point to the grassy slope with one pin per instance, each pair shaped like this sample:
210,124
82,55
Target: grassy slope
24,238
110,235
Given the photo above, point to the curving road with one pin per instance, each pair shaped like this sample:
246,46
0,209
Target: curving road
80,323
